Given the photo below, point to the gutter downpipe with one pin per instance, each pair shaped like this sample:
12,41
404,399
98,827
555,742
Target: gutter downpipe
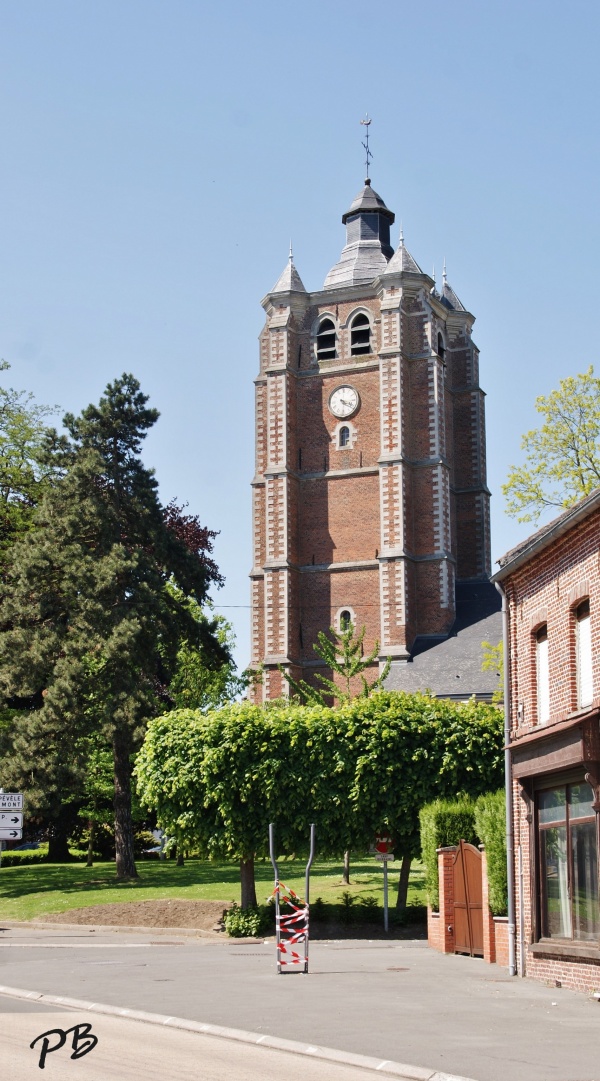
510,837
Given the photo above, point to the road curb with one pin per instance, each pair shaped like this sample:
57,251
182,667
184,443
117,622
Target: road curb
189,932
382,1066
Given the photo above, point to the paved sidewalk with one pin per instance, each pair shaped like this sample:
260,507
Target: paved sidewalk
397,1000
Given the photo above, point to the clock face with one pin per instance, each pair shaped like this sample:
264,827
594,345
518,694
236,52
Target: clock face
344,401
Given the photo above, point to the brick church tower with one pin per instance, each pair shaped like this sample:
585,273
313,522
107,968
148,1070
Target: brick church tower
370,501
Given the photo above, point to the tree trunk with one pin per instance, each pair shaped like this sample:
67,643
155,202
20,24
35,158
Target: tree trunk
180,859
123,822
403,882
90,852
58,847
247,881
346,871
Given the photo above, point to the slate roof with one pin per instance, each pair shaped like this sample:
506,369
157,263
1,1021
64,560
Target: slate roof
547,534
451,667
368,200
450,299
289,281
402,260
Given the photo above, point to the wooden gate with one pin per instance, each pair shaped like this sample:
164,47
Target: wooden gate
468,912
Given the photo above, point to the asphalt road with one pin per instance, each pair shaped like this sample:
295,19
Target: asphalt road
397,1000
130,1050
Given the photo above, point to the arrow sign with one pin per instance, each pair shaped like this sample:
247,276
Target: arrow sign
11,801
9,818
10,835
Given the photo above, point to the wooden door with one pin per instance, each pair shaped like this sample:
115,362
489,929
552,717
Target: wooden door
468,911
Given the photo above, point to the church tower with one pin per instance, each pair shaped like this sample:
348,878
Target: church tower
370,500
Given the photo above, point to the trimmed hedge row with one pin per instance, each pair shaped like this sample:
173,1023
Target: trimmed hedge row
482,821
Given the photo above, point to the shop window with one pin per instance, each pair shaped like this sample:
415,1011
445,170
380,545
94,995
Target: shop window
360,335
568,863
542,675
326,340
583,633
344,437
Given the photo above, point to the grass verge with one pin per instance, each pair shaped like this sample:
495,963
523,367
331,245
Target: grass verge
30,892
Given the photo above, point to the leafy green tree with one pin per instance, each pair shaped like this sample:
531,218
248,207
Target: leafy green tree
562,457
197,685
493,661
86,618
343,655
23,431
216,780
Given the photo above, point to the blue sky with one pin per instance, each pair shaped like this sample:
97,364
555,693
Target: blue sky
157,158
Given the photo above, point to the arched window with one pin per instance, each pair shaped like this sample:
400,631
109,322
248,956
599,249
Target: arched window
360,335
441,348
345,620
344,436
583,641
542,675
326,340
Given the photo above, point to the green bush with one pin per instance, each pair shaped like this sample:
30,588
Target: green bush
30,855
444,823
248,922
490,823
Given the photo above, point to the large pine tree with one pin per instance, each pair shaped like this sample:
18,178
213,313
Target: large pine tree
86,619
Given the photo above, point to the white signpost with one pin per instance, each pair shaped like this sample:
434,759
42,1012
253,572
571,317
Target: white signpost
11,801
10,824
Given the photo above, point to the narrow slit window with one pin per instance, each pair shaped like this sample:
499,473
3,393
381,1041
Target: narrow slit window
360,336
345,620
344,436
441,348
326,340
583,631
542,675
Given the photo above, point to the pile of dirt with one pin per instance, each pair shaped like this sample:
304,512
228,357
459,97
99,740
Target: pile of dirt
201,915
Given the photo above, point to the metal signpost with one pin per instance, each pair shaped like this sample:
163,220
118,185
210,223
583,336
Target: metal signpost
382,851
11,818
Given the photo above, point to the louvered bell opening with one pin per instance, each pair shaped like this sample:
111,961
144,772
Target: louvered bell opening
326,341
360,336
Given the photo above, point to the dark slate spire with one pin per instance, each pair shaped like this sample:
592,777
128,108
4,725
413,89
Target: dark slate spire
367,248
289,281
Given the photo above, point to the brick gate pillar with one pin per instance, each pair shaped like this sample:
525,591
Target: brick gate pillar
446,880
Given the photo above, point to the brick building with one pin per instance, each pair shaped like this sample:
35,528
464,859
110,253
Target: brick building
552,587
370,501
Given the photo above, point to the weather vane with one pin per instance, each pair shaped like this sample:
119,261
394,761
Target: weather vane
366,123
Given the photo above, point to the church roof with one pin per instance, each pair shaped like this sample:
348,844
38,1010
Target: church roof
368,200
451,667
402,260
449,297
367,250
289,281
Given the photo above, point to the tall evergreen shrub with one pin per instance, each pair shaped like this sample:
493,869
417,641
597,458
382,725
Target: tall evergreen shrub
490,823
444,823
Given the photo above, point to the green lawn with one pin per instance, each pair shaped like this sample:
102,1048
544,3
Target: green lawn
31,891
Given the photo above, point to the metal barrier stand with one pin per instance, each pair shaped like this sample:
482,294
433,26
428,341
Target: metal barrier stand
291,929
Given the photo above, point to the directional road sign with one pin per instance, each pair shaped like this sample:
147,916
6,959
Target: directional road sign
10,835
11,801
11,819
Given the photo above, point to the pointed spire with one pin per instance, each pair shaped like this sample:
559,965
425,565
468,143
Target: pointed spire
402,260
290,280
449,297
